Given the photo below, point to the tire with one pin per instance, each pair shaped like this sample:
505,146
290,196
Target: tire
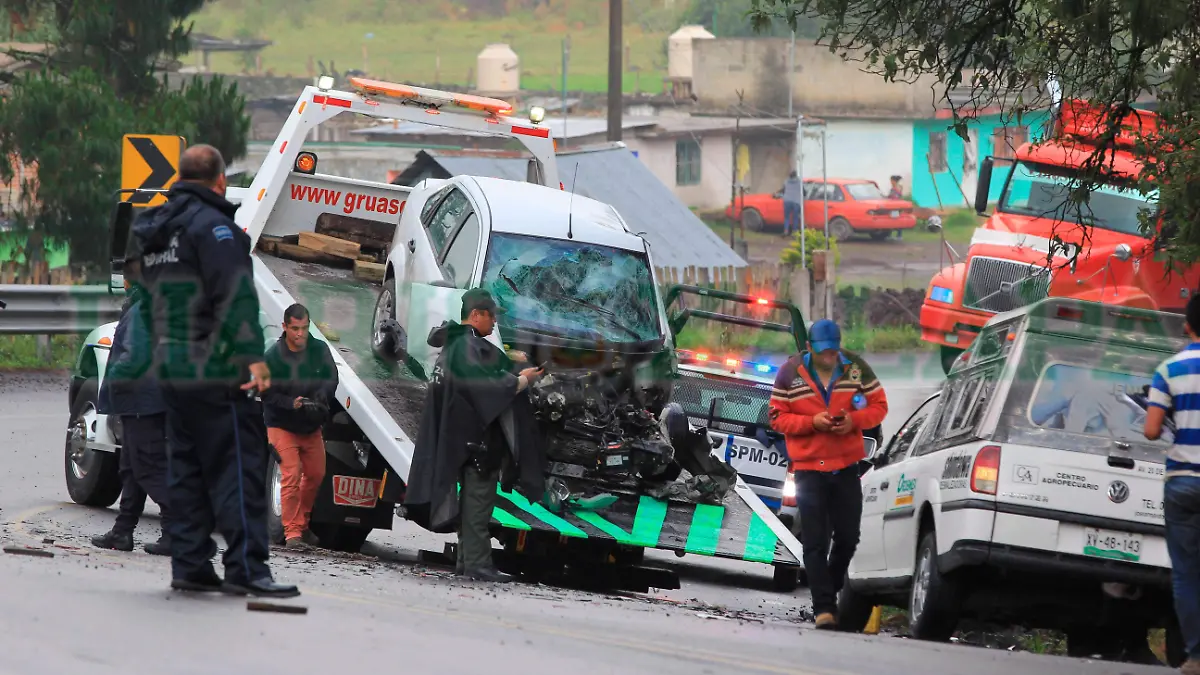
879,235
384,344
340,537
949,355
752,220
934,600
786,578
92,478
853,609
274,502
839,228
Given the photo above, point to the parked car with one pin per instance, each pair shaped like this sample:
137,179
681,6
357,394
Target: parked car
855,207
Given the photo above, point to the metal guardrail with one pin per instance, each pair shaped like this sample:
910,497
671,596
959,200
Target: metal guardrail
30,309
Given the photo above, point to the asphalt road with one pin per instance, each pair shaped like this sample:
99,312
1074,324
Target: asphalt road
92,611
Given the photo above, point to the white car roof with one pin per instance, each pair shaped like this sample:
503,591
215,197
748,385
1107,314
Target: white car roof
527,208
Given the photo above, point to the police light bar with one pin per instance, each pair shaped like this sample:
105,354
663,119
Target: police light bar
731,362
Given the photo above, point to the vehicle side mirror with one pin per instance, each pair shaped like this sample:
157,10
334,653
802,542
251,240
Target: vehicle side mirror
934,224
870,448
533,172
983,186
119,225
1123,252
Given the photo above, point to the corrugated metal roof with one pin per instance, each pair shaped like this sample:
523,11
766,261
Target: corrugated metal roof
615,176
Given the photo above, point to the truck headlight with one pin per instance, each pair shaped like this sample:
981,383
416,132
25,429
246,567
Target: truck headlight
941,294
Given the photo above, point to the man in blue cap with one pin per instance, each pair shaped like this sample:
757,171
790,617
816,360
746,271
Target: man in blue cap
822,402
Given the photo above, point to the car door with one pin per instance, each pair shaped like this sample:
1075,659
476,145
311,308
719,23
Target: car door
876,484
435,290
409,244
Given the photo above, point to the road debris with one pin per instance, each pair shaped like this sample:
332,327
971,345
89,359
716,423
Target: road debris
34,552
259,606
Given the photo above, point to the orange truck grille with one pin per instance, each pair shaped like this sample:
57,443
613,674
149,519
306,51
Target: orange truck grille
998,285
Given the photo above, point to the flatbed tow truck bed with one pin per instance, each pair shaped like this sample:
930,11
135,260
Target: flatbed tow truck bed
732,530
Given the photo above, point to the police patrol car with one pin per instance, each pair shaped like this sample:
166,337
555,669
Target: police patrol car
1024,491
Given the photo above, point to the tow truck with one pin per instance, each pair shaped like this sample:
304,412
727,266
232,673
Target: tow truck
369,440
1029,248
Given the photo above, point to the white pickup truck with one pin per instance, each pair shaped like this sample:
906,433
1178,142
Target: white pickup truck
527,242
1024,492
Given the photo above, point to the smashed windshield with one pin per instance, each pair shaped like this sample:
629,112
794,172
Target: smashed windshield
573,288
864,191
1068,393
1043,191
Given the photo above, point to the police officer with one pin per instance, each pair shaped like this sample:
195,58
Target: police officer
130,391
209,360
477,429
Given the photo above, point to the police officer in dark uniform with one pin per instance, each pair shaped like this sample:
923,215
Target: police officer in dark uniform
204,319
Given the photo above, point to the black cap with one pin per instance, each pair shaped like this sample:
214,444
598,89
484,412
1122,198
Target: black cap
478,298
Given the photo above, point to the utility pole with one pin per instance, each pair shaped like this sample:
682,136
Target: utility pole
733,181
615,42
791,73
566,56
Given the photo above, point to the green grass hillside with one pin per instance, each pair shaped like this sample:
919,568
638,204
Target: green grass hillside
428,41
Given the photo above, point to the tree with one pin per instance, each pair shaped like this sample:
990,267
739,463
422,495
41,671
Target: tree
66,119
729,18
1002,53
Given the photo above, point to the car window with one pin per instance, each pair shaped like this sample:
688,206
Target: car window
967,396
460,256
864,191
900,444
432,203
447,217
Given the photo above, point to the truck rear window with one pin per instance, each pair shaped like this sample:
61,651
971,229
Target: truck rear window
1068,393
731,405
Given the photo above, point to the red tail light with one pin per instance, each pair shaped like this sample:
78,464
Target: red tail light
985,473
789,489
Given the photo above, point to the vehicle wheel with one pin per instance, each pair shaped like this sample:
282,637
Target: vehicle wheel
853,609
933,601
949,356
1176,649
274,495
786,579
839,228
752,220
880,235
386,334
340,537
92,478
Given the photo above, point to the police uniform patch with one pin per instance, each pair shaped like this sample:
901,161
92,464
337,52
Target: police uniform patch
222,233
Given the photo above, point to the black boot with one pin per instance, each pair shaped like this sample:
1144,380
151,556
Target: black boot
207,581
116,541
160,547
261,588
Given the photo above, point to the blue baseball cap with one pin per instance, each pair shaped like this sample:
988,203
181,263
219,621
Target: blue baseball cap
825,335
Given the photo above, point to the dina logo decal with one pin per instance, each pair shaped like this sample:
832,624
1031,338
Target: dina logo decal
1118,492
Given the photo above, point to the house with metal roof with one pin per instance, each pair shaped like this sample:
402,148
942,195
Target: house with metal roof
611,174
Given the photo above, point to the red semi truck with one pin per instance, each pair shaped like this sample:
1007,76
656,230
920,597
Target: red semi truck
1024,251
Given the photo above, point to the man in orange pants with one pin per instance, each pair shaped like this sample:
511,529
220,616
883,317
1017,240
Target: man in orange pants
304,382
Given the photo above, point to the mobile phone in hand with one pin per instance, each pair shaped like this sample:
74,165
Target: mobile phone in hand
838,419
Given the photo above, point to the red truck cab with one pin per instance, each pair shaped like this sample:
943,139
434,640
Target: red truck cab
1023,252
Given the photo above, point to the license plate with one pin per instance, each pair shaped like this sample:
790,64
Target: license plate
1112,545
895,214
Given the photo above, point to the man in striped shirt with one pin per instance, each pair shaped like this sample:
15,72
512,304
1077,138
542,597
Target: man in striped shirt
1176,389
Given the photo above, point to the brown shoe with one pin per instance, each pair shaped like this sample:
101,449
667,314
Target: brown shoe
825,621
309,538
296,544
1190,667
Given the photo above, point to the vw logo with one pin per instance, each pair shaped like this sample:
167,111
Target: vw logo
1118,491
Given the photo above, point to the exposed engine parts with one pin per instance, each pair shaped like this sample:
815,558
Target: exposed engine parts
597,433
